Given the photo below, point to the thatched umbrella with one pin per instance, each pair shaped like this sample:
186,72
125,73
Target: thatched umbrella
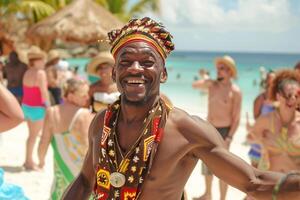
82,21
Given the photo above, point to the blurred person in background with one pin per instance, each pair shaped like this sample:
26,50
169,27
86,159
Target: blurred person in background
66,127
14,72
297,67
104,91
52,76
1,71
278,132
35,100
225,96
262,106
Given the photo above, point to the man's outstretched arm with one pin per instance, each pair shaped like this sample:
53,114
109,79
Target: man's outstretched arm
209,146
81,188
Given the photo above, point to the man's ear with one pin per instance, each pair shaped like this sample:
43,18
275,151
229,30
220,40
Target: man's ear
113,74
164,75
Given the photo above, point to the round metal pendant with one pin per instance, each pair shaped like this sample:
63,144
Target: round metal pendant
117,179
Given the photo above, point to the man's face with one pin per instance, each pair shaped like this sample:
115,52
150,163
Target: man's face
138,72
223,72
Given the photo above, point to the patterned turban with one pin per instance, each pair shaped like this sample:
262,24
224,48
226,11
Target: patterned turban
146,30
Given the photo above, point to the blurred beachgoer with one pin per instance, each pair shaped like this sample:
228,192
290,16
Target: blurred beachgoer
1,71
262,103
35,100
54,86
262,106
66,127
263,75
224,108
104,91
14,72
10,111
279,130
297,67
204,74
64,71
139,148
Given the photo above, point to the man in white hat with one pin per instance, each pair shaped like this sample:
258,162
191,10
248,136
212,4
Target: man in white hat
224,108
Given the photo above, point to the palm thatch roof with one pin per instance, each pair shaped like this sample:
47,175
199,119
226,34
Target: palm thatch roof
82,21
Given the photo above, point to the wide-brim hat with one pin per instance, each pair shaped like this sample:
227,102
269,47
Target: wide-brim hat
229,62
53,54
102,57
35,52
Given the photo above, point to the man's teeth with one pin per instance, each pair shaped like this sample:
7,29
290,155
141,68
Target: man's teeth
136,81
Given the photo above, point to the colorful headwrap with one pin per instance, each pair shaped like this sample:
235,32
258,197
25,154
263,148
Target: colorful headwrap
146,30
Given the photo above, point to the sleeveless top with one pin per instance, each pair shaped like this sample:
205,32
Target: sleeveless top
101,100
32,96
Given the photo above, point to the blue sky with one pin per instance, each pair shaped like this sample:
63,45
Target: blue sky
233,25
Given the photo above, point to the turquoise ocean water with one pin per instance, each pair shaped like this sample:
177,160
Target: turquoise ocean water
183,68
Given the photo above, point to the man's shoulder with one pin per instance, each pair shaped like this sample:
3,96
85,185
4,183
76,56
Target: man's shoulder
182,119
235,88
191,127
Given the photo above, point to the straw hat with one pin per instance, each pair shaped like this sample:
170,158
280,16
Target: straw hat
102,57
229,62
53,54
35,53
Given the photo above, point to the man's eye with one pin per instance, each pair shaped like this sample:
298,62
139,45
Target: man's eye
124,62
147,63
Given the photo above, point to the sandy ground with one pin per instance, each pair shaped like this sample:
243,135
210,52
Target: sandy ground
37,185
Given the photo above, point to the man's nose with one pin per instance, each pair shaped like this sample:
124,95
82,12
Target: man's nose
135,67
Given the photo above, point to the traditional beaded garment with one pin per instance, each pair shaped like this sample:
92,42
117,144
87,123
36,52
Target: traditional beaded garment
118,176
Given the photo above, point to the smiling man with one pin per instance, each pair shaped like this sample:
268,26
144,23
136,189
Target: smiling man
140,148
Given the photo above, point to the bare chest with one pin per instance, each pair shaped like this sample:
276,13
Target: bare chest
219,96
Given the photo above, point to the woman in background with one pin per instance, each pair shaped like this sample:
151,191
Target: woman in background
35,100
262,106
279,130
104,91
66,127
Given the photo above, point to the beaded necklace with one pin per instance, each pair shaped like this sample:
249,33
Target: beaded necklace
121,177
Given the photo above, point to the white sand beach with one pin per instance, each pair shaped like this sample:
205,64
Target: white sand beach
37,185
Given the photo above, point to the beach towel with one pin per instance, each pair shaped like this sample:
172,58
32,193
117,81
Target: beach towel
10,191
69,153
